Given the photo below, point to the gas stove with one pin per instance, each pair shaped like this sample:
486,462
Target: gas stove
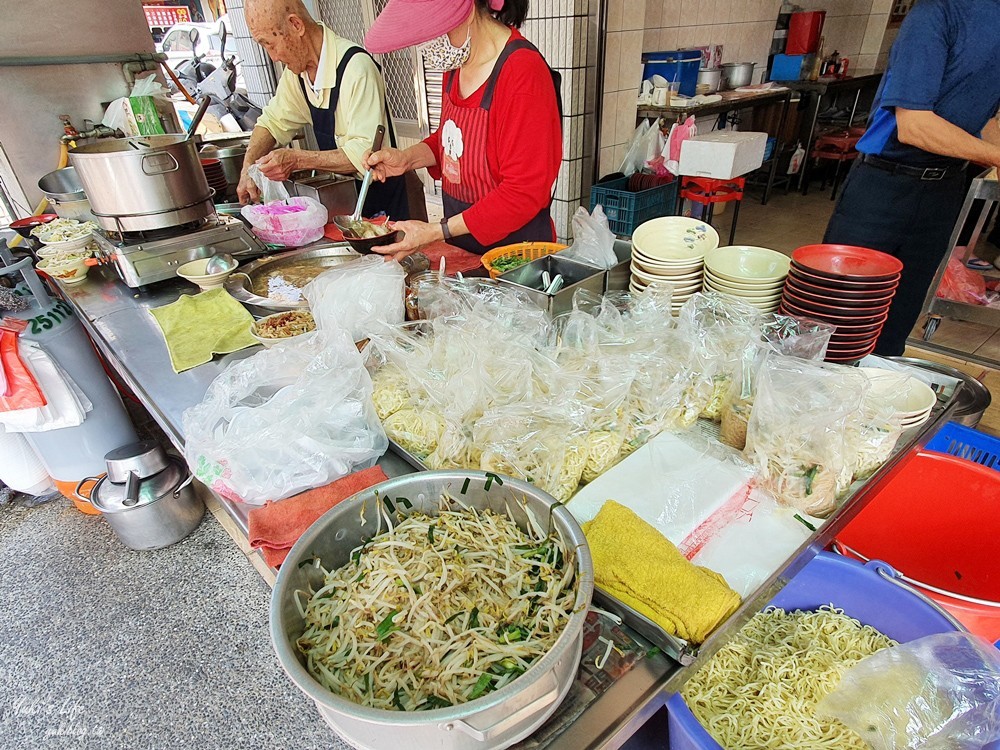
143,258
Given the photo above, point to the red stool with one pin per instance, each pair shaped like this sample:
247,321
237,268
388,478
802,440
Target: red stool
838,147
709,191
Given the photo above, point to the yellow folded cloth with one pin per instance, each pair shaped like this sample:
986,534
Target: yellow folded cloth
199,325
639,566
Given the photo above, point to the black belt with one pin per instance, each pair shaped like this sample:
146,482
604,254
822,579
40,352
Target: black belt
921,173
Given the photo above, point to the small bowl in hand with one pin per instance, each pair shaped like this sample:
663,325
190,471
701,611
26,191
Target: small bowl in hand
365,246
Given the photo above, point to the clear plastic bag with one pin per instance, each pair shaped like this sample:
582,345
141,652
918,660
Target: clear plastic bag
271,191
798,431
935,693
361,296
287,419
292,223
593,241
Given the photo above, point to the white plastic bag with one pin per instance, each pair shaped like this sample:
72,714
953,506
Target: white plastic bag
636,152
270,190
593,240
66,406
940,691
289,418
360,297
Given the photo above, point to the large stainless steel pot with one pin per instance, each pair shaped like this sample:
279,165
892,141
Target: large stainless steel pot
497,720
735,75
144,182
231,158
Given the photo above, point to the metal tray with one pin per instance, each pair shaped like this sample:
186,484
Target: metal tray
240,284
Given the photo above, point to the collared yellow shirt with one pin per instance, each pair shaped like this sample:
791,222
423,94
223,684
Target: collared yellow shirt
359,112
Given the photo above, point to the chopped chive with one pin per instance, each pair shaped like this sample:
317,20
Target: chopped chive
810,476
404,502
387,627
489,481
361,576
309,561
804,522
434,701
368,682
490,476
473,619
482,685
453,617
465,485
388,505
397,700
430,533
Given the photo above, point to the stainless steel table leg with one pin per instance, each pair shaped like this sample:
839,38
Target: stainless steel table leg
809,140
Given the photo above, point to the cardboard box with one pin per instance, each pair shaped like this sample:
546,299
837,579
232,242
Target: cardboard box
722,154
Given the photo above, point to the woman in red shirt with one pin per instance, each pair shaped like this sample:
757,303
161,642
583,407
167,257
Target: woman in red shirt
498,149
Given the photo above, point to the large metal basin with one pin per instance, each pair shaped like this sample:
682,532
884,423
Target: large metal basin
497,720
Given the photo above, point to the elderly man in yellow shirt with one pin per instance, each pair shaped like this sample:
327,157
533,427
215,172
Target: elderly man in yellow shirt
329,83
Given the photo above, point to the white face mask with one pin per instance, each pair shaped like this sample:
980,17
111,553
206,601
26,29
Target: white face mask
440,54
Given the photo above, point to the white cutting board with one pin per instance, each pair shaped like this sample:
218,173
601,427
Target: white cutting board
669,483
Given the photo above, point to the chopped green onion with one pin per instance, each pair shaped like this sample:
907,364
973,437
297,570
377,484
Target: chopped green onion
810,475
387,627
434,701
430,533
473,619
482,685
490,478
397,701
465,485
388,505
453,617
804,522
404,502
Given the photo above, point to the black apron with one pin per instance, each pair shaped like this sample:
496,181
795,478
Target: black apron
464,184
387,197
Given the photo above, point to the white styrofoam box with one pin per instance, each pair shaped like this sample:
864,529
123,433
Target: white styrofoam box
722,154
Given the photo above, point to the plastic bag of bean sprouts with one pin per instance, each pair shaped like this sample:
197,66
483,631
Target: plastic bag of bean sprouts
798,436
724,329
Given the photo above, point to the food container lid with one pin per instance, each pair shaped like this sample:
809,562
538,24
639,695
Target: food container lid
145,458
109,497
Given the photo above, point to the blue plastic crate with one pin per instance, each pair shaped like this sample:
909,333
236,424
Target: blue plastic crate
964,442
625,210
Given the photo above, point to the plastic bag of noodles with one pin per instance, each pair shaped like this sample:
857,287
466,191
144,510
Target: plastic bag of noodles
798,432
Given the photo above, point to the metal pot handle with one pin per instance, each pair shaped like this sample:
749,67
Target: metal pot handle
154,164
182,485
79,487
548,684
893,576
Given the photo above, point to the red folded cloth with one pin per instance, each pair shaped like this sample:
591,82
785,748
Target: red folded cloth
277,526
455,258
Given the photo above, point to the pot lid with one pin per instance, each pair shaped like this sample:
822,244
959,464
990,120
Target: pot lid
145,458
109,497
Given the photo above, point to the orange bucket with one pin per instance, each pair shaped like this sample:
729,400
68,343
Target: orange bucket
79,494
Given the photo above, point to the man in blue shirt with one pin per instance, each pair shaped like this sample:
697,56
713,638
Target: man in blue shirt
934,112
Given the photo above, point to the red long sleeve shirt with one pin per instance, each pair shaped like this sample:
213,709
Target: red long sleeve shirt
523,150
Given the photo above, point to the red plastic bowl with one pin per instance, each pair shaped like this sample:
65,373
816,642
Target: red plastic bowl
846,262
856,293
851,346
825,282
855,339
835,309
835,298
24,226
865,319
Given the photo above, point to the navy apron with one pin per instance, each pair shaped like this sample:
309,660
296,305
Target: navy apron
387,197
468,179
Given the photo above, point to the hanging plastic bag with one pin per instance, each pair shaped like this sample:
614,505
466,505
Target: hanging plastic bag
360,297
678,134
938,692
635,151
270,190
593,240
18,387
287,419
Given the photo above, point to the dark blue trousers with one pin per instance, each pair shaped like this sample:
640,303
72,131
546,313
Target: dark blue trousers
909,218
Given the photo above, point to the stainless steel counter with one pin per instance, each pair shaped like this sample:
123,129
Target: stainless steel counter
131,342
118,320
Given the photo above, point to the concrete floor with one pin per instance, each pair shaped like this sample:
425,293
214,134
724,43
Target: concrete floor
105,648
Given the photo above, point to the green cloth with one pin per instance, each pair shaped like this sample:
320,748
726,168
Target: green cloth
199,325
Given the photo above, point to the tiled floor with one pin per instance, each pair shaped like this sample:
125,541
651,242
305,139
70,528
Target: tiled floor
792,220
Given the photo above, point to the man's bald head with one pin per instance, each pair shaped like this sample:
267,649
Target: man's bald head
285,30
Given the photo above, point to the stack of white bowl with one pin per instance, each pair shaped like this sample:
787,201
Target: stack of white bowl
913,400
756,275
671,250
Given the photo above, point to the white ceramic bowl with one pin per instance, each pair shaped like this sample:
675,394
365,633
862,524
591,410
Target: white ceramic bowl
77,244
71,271
683,280
269,342
745,263
756,294
675,238
195,273
914,401
689,269
693,262
744,285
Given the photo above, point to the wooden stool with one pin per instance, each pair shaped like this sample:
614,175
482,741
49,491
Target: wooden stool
709,191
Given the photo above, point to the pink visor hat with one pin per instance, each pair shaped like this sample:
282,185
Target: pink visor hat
406,23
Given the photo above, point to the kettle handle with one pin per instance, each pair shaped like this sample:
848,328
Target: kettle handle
79,487
131,489
182,485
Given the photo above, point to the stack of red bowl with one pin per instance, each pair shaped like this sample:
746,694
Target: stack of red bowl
849,287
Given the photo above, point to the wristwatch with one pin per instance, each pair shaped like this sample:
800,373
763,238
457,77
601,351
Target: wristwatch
444,229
